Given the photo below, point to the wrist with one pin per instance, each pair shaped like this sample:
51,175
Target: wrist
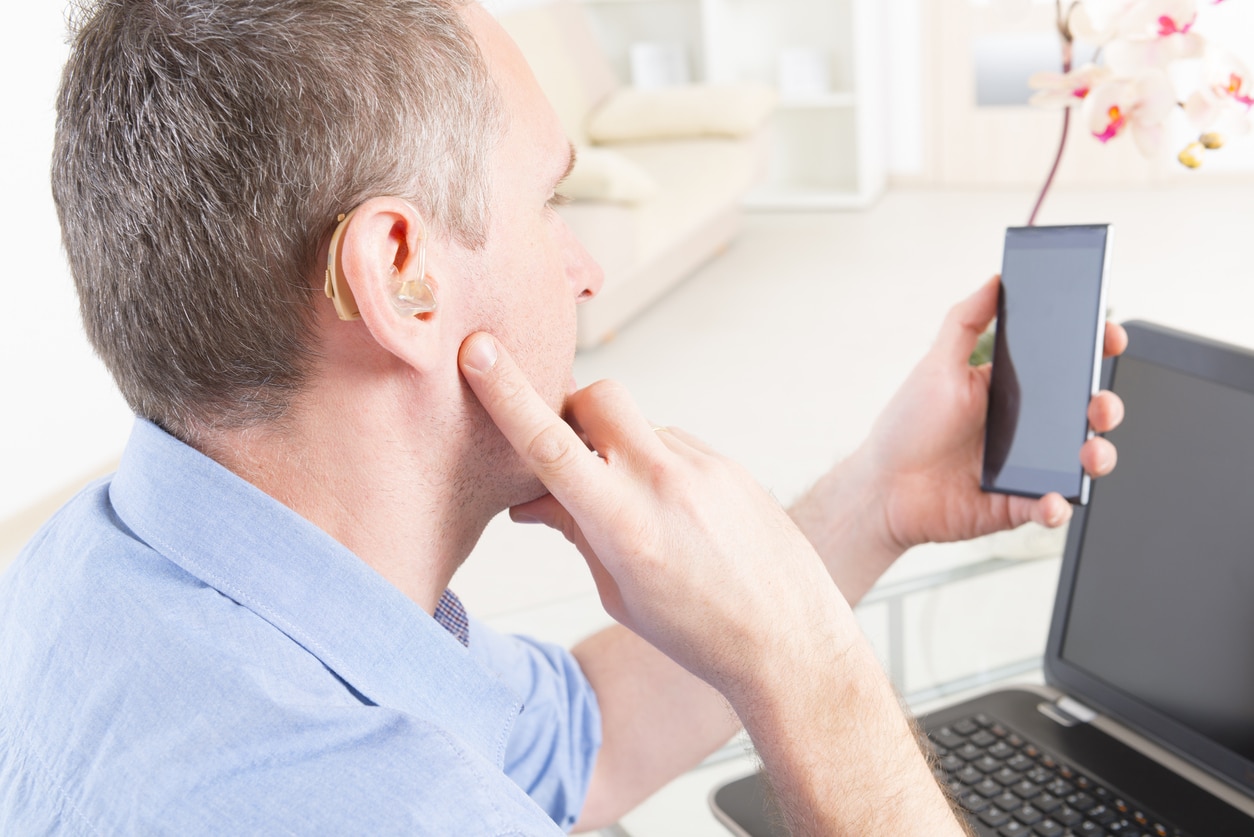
845,515
850,715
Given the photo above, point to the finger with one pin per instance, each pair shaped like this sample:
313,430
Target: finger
1105,411
549,511
610,419
683,439
1052,510
546,443
1098,456
1116,340
967,321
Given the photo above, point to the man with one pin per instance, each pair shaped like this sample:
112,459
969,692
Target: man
247,628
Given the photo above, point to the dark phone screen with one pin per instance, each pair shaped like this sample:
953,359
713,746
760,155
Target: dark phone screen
1044,359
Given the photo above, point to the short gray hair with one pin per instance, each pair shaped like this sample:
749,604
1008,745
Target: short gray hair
203,150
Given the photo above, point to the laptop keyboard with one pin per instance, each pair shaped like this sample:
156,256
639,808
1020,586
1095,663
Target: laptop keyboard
1011,788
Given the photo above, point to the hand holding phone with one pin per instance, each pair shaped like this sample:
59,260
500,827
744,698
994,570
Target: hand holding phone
1047,356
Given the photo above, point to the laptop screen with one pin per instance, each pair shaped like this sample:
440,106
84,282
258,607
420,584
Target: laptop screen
1161,609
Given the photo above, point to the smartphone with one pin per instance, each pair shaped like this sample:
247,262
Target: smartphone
1047,356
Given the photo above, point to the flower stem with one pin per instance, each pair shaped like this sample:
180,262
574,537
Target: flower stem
1049,181
1064,31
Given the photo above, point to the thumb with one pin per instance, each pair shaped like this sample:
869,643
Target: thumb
967,321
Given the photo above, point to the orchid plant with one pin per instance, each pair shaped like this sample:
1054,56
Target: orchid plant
1147,51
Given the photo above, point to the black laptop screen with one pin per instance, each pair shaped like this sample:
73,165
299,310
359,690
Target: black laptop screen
1162,606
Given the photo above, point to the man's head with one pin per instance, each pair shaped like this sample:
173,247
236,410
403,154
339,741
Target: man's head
204,149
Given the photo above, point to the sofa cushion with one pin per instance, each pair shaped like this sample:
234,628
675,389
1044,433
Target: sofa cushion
602,174
734,110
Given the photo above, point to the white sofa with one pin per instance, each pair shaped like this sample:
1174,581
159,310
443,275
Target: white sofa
660,173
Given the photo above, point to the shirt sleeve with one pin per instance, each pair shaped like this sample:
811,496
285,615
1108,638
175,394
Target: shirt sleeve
554,743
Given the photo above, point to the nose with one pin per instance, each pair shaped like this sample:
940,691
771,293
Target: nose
585,274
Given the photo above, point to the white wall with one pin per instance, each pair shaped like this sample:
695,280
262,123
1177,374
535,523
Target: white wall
61,415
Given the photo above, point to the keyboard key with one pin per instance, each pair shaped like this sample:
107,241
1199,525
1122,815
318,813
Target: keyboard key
1039,775
983,720
1015,741
973,802
946,737
1002,750
998,730
1025,789
1028,815
969,751
1060,787
969,775
988,788
1047,802
1007,776
1013,829
983,738
1067,815
966,726
994,818
1047,828
1018,761
1008,801
952,763
1088,828
1102,814
1081,801
988,764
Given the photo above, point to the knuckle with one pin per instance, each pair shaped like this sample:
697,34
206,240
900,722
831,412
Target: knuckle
551,449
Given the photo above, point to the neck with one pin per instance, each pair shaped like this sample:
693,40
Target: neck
399,498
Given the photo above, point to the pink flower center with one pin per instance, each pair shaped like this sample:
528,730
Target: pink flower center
1168,26
1080,92
1117,121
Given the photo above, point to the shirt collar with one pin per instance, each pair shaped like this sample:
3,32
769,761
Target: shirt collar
261,554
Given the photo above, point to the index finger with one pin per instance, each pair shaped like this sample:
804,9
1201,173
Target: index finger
546,443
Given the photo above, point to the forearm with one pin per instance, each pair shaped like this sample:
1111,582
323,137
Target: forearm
840,755
657,719
843,516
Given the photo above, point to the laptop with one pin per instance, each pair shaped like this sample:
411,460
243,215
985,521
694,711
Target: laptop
1146,726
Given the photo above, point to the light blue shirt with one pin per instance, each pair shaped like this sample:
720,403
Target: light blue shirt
182,654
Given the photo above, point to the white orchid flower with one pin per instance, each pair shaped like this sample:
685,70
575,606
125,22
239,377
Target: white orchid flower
1140,105
1066,89
1098,21
1225,100
1153,33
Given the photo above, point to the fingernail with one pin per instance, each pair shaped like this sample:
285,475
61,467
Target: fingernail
523,517
480,355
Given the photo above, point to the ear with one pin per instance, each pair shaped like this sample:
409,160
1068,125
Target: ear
378,253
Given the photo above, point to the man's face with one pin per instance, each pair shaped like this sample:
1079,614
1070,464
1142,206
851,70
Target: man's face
531,273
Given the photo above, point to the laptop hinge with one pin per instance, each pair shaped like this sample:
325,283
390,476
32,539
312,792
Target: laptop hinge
1067,711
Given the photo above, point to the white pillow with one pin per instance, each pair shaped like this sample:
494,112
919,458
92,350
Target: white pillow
604,175
681,112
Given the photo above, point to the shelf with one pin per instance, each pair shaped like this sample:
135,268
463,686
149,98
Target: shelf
817,102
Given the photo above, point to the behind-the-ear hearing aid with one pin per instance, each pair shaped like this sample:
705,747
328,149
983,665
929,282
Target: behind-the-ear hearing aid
409,297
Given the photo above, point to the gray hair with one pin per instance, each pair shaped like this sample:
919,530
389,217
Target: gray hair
203,150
